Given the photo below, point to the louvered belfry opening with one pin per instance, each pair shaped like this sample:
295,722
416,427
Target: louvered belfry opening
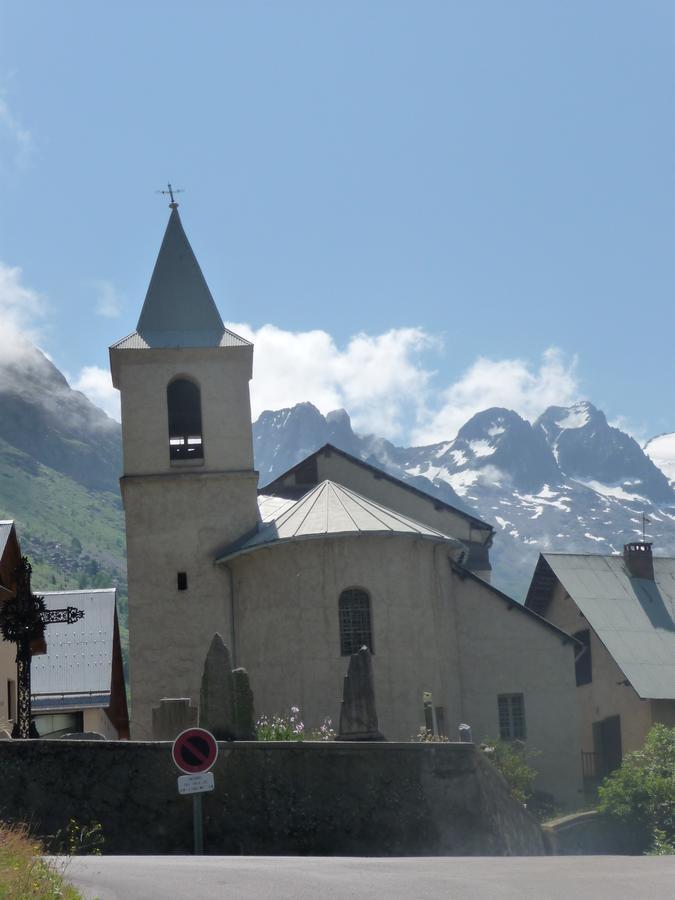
183,399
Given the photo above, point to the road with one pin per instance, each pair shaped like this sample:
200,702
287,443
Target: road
343,878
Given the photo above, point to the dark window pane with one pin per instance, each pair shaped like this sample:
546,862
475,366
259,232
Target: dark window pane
185,420
355,628
583,668
511,708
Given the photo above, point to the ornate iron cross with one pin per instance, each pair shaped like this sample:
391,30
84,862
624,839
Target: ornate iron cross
22,620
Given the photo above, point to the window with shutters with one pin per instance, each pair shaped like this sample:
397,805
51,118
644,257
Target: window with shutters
583,668
511,709
355,624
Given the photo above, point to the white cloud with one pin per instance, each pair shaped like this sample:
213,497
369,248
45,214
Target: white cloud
96,384
21,312
108,300
511,383
16,142
379,379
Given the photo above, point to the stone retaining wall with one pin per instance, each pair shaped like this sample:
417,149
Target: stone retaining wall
272,798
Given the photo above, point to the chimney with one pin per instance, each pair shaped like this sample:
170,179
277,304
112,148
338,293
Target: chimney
638,559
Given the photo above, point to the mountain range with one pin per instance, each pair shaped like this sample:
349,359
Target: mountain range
568,481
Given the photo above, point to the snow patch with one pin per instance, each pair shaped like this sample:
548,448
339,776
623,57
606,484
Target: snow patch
609,490
481,448
458,457
577,416
592,537
495,430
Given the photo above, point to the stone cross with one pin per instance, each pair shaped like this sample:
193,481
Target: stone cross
358,715
22,620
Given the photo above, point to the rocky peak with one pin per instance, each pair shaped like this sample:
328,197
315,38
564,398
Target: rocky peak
591,450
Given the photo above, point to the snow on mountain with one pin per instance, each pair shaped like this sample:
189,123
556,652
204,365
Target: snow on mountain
568,482
593,452
661,451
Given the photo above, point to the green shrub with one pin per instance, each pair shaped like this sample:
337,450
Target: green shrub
281,728
510,758
641,793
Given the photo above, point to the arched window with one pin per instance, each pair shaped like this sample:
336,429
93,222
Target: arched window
355,628
185,420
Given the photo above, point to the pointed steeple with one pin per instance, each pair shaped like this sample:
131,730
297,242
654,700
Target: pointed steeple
179,310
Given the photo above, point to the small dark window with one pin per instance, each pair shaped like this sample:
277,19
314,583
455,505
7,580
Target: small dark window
511,716
355,628
182,581
185,420
583,668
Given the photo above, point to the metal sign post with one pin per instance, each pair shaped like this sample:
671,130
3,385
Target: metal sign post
194,752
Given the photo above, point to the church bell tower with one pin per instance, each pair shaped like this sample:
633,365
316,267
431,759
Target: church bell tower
188,486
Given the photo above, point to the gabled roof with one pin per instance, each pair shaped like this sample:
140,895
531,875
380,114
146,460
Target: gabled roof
463,573
633,617
332,510
477,523
76,670
6,526
179,310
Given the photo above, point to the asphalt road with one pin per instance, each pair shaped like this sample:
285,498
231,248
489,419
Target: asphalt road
333,878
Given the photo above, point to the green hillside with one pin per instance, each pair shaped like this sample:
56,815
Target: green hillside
73,535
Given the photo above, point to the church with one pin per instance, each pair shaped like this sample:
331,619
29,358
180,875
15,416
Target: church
298,575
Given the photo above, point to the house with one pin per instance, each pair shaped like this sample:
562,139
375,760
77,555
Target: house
77,679
621,609
332,555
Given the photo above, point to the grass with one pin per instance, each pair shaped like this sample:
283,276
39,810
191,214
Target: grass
23,873
73,536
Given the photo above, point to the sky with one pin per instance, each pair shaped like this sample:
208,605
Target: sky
416,210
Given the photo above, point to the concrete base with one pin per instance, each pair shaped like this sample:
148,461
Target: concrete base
361,799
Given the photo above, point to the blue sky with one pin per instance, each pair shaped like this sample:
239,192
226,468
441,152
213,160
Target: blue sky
416,209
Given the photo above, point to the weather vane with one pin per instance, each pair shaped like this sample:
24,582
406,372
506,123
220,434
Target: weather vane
171,191
645,521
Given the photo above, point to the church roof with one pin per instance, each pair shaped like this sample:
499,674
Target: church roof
332,510
179,310
76,670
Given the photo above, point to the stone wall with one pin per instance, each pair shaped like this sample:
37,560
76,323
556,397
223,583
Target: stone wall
272,798
591,833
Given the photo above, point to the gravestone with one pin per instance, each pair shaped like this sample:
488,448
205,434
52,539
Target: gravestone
358,715
216,698
465,734
244,713
173,715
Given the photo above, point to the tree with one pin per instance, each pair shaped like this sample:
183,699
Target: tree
641,792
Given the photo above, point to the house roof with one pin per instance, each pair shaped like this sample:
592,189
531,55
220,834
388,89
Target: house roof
332,510
633,617
6,526
463,573
477,523
76,670
179,310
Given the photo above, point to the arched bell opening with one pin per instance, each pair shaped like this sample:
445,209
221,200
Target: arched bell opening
183,399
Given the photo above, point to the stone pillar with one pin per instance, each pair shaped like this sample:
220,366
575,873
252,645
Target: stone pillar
216,698
358,715
244,713
173,715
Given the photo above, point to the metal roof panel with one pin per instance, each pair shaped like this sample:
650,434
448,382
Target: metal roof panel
633,617
78,661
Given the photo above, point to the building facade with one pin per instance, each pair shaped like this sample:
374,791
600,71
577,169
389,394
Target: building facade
331,555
